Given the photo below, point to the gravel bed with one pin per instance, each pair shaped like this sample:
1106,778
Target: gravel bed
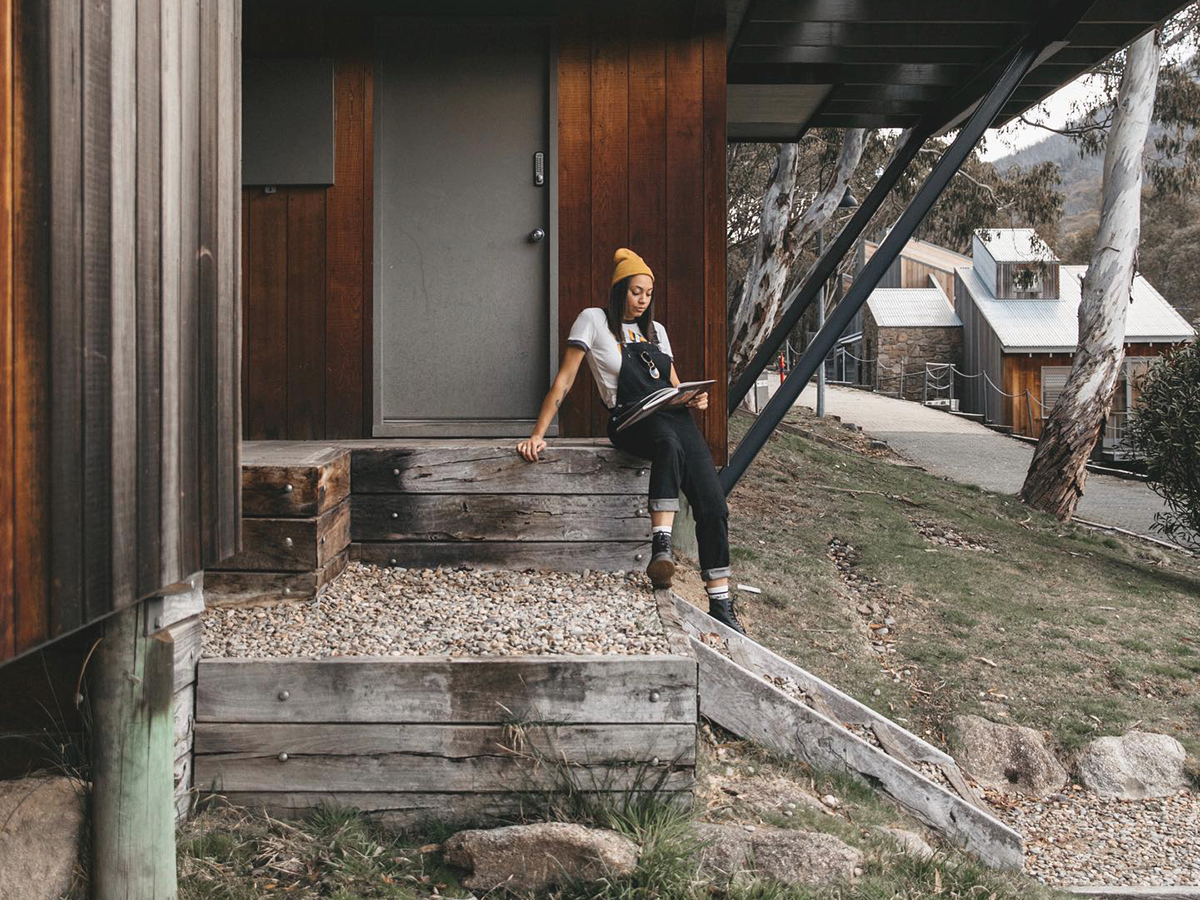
373,610
1077,838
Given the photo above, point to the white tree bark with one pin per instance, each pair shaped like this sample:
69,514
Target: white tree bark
1057,474
781,236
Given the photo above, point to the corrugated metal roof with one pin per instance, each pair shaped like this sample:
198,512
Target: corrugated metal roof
911,308
1052,326
1015,245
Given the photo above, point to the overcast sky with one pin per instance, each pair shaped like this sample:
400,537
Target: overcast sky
1055,112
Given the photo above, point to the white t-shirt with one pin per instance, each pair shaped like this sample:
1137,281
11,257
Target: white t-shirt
590,332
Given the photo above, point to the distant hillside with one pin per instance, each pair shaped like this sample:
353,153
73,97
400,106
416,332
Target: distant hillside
1080,179
1169,254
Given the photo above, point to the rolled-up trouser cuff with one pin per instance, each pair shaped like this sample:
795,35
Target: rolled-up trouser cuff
713,574
665,504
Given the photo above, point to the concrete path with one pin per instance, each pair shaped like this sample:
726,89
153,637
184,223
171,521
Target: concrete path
967,452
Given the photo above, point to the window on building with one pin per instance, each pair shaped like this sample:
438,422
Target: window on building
1054,379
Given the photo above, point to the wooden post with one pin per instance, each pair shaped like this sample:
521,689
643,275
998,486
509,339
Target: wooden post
133,812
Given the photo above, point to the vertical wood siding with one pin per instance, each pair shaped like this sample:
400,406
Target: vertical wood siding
641,163
119,229
641,145
307,251
1023,372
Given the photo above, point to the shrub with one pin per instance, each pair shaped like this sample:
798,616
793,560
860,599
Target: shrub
1164,428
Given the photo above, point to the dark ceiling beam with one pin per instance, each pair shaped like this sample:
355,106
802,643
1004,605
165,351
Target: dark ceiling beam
756,31
801,73
940,11
759,32
1084,57
939,56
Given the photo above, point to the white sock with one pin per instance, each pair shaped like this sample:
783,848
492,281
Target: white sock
657,528
716,593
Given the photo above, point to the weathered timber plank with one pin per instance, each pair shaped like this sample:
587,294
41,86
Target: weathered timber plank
149,276
292,545
407,810
565,556
417,771
171,263
181,601
126,350
187,636
312,482
846,708
497,469
673,743
565,689
504,517
677,638
269,588
753,708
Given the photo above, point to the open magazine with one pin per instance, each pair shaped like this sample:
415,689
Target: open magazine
668,396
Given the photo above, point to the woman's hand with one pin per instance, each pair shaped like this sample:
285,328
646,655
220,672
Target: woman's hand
530,447
700,401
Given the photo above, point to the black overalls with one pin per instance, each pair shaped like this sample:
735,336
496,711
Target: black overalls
679,456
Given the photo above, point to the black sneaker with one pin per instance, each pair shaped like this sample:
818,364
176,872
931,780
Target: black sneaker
722,610
661,567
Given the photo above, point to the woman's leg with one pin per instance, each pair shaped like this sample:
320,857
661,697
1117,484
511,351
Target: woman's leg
654,439
703,489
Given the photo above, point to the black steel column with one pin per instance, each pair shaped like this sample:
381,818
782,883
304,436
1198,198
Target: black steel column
827,262
983,116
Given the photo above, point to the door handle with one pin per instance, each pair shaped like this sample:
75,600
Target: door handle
536,235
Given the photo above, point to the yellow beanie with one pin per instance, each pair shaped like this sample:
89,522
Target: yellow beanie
627,263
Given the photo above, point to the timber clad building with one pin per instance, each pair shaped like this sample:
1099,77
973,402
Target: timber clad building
282,282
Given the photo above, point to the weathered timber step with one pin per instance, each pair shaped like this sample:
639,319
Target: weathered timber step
293,479
461,690
736,694
486,758
291,544
263,588
561,556
460,738
494,467
499,517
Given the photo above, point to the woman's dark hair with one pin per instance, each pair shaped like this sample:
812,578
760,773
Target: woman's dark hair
616,311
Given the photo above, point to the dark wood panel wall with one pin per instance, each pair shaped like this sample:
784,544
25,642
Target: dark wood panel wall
641,163
306,299
641,141
119,329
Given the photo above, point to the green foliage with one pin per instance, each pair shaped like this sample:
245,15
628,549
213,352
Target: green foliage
1165,430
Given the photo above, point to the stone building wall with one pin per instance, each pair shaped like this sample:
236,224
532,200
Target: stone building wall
907,349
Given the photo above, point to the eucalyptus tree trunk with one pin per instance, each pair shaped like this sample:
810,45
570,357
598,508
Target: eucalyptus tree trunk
1056,476
781,236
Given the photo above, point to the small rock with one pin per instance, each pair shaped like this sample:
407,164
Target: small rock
803,857
910,842
533,857
1008,758
1137,765
831,801
41,820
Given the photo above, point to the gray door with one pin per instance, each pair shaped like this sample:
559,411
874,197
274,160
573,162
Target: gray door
462,296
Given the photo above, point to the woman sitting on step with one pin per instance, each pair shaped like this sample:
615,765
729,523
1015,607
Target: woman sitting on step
630,356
